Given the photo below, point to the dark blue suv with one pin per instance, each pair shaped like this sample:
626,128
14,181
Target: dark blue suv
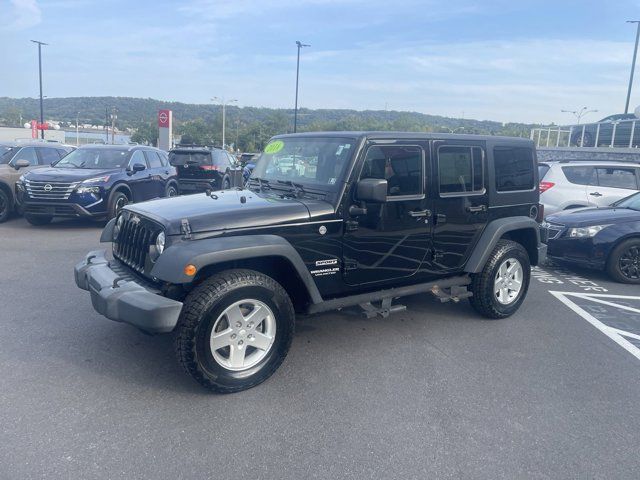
96,181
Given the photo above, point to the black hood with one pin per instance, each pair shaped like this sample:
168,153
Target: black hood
584,217
224,210
52,174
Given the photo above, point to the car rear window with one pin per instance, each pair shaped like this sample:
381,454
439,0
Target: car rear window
543,168
178,159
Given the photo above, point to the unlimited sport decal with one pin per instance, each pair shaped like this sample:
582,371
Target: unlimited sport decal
329,267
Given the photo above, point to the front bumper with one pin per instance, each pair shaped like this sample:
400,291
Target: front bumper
122,299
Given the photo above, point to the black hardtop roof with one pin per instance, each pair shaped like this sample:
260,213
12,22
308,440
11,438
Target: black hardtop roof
409,135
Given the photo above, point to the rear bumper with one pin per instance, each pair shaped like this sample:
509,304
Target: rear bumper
197,185
123,299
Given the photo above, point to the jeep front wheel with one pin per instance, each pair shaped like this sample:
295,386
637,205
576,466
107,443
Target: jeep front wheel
235,330
500,288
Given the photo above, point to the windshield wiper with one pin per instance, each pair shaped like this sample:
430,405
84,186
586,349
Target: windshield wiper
262,182
297,188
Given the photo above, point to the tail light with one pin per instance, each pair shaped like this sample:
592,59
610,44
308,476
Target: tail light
209,167
544,186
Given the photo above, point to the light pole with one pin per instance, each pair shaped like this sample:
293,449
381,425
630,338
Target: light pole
77,134
295,111
633,63
579,113
114,117
224,113
40,44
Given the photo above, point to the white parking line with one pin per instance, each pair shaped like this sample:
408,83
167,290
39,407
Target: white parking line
615,334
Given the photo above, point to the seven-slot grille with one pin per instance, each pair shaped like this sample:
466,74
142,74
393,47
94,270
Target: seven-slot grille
49,190
132,245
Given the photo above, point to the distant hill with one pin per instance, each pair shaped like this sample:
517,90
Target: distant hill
248,125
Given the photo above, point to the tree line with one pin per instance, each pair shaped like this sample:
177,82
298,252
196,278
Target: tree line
247,128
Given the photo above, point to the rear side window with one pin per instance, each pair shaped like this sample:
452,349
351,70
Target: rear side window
514,168
580,175
617,178
153,159
49,155
543,168
460,170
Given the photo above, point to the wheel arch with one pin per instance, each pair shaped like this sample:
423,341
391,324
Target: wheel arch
269,254
523,230
121,187
618,241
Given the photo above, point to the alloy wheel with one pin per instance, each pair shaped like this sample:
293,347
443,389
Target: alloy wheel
508,281
629,262
243,335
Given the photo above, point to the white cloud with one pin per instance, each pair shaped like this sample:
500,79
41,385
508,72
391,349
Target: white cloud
19,14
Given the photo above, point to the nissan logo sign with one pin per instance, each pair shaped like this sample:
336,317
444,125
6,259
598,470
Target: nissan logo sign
48,187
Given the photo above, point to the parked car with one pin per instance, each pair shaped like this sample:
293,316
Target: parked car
17,158
602,238
567,185
202,168
364,217
618,128
96,181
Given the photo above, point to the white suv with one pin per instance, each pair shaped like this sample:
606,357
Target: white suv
565,185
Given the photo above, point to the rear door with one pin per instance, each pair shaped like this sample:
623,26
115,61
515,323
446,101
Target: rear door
158,172
461,201
613,183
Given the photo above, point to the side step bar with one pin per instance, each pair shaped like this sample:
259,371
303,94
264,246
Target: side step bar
453,288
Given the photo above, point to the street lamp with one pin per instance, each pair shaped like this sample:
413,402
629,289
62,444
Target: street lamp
295,112
77,134
633,63
579,113
40,44
224,113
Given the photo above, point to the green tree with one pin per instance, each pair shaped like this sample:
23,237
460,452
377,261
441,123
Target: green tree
146,132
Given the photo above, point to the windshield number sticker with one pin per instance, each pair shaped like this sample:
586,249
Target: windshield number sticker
274,147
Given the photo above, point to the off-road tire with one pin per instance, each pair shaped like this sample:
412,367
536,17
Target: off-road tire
205,304
484,300
613,262
38,220
114,202
6,205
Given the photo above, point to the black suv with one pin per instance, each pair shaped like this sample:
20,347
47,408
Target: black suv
96,181
328,220
202,168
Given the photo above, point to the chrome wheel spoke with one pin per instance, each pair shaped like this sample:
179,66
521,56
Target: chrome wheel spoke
221,339
260,341
236,356
257,316
508,281
234,316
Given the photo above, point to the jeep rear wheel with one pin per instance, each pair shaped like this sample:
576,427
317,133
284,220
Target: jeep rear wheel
500,288
235,330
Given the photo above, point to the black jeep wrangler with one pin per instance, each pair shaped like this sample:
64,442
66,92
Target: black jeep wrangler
326,221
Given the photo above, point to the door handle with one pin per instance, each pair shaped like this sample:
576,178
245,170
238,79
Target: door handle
420,213
478,208
595,194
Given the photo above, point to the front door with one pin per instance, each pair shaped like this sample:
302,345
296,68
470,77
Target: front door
390,240
461,203
140,182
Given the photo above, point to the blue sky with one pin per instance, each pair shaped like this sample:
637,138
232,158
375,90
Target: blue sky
500,60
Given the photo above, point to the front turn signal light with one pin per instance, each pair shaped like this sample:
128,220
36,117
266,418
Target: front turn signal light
190,270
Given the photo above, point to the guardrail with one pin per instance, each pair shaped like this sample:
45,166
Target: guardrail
620,134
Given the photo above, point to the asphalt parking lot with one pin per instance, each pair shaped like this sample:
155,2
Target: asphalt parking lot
433,392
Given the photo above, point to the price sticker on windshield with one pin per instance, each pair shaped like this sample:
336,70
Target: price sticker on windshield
274,147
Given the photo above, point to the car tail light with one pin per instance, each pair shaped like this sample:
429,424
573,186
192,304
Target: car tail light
544,186
209,167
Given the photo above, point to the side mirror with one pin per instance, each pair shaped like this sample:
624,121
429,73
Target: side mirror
22,164
138,167
372,190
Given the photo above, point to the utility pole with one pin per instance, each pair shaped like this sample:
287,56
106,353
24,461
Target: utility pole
77,134
633,63
106,123
114,116
295,111
40,44
224,114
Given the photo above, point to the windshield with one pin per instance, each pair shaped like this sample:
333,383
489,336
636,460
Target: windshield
94,158
632,202
6,154
316,162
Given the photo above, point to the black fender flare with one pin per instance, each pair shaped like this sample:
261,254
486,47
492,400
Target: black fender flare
494,232
202,253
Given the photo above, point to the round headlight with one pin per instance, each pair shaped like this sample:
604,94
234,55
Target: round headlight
117,227
160,243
